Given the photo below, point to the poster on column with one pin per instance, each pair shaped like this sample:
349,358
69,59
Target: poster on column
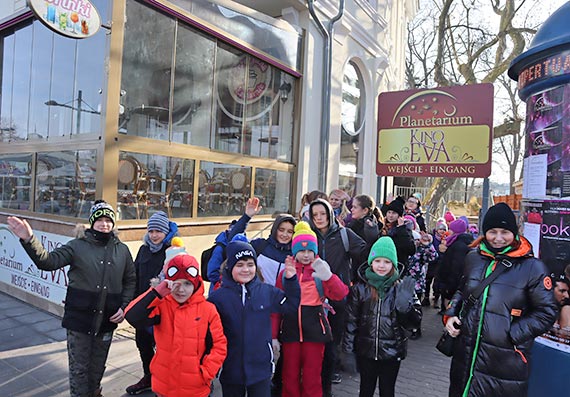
18,270
553,218
548,133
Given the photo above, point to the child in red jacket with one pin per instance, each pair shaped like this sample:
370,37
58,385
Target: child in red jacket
305,333
190,342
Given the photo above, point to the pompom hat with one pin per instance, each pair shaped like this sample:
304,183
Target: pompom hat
304,239
384,248
159,221
179,265
449,217
100,209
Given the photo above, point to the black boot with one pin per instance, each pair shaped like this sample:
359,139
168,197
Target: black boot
416,334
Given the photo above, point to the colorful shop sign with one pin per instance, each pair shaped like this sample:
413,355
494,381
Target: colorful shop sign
544,68
77,19
445,131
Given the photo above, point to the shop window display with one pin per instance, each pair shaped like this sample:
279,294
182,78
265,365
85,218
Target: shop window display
148,183
274,189
223,189
65,182
15,177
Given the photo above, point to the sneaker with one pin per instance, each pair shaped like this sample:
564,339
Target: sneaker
336,378
139,387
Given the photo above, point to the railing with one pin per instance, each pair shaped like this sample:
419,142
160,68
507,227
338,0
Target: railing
450,195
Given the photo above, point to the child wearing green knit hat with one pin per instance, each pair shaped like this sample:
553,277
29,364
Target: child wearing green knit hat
378,313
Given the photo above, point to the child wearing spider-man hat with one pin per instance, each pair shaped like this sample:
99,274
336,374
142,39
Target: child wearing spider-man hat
181,318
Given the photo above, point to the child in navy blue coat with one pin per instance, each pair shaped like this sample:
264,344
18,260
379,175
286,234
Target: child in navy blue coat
245,305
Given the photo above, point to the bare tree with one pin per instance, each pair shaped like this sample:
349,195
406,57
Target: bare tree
454,42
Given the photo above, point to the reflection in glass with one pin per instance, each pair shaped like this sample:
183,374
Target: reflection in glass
21,89
352,125
193,82
62,86
274,190
148,183
41,64
65,182
15,177
223,189
146,72
7,127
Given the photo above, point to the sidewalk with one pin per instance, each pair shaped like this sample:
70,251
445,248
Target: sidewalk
33,358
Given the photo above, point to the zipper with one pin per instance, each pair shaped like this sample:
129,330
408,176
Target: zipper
377,328
523,358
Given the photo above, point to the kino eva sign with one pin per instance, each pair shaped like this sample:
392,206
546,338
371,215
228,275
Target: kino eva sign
445,131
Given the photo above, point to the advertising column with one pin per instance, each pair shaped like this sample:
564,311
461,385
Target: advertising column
543,75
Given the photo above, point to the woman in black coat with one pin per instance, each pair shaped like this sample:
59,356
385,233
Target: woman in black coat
491,356
365,220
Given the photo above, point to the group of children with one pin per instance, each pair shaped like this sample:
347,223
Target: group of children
271,299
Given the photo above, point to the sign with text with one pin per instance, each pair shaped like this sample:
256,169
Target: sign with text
436,132
77,19
18,270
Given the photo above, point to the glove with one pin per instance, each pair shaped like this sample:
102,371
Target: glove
276,346
349,362
322,269
405,294
163,289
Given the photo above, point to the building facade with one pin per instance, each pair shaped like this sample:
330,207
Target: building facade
191,107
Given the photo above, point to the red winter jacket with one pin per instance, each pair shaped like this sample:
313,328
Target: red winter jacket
190,342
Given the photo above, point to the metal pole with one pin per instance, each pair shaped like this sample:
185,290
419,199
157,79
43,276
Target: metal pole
79,100
485,201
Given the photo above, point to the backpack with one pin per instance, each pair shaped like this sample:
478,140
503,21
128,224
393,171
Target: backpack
206,256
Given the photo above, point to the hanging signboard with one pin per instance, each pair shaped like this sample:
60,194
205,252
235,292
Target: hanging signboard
77,19
445,131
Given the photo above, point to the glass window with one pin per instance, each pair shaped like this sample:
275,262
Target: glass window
148,183
223,189
193,82
7,127
21,88
352,126
65,182
274,190
146,76
15,178
40,84
62,97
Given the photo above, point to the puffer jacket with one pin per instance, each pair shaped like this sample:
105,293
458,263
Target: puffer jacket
331,248
101,279
452,264
500,328
375,328
190,342
248,327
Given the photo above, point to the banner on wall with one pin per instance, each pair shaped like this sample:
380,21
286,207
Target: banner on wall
18,270
76,19
446,131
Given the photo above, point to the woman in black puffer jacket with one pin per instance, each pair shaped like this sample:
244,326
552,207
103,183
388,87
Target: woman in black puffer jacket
496,336
378,313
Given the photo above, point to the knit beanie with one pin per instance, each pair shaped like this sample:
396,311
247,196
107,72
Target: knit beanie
458,226
237,249
100,209
176,248
412,221
449,217
304,239
441,226
384,248
179,265
159,221
397,205
500,216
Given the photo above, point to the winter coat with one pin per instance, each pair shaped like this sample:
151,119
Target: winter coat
366,232
452,264
404,242
331,247
190,342
101,276
248,327
418,265
375,328
147,266
500,328
270,253
310,323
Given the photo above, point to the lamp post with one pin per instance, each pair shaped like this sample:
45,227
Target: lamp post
79,108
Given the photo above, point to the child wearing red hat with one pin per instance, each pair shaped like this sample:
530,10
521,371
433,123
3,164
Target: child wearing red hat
186,361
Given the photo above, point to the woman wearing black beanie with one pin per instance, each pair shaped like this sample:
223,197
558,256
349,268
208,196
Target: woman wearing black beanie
501,325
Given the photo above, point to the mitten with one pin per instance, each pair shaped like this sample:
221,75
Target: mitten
322,269
349,363
405,294
163,289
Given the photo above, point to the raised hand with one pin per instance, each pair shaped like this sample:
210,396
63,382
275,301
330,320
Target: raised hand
290,270
252,207
20,227
322,269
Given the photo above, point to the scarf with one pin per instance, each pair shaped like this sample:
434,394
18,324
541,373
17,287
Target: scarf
381,283
483,246
154,248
